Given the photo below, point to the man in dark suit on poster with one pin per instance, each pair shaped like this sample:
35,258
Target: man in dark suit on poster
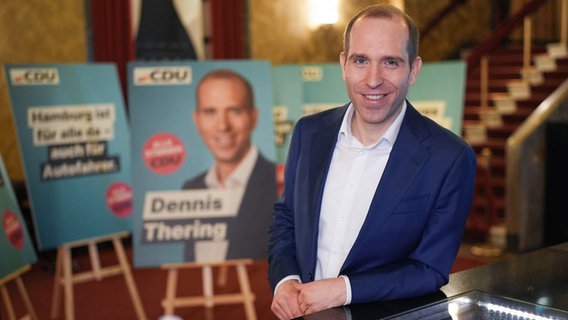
225,116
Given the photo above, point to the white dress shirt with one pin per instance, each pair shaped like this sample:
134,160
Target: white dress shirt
354,174
237,180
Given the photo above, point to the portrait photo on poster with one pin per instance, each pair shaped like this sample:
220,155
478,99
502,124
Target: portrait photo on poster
207,177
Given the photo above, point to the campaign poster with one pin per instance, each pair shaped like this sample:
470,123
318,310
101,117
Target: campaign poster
439,93
203,155
288,99
75,144
301,90
16,248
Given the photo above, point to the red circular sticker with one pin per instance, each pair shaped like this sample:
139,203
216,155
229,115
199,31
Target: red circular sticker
13,229
119,199
163,153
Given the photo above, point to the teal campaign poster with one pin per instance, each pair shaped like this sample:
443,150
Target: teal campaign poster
439,93
204,163
288,99
16,248
75,144
301,90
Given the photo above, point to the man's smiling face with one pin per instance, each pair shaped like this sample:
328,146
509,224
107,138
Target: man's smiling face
377,70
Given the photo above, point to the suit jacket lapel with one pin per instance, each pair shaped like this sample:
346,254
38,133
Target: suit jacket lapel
322,143
322,146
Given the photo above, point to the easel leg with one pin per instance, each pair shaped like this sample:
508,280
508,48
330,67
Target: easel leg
209,299
8,303
68,283
246,291
26,298
63,277
222,279
15,276
56,296
129,279
64,274
95,260
56,293
171,290
208,290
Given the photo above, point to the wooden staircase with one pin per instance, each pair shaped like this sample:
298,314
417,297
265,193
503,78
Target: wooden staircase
509,104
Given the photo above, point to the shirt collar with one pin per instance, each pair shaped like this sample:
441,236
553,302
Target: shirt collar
389,136
239,176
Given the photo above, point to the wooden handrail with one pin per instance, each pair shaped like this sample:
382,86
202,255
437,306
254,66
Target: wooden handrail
502,31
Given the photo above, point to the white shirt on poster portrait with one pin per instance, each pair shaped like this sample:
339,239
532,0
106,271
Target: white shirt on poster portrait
214,250
238,179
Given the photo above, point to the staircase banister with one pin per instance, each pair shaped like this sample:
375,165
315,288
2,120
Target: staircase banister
522,166
538,117
501,31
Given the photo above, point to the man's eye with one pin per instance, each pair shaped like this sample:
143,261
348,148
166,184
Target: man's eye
360,61
391,63
235,111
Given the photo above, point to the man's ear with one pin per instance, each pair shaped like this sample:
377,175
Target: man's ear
342,63
416,65
254,115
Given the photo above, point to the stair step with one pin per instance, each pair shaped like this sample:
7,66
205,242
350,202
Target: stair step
503,131
536,97
505,66
503,72
479,206
515,118
475,83
517,50
523,108
549,84
498,168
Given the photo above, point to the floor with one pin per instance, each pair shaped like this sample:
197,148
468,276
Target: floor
110,299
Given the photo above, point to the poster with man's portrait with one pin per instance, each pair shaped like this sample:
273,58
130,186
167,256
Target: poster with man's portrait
203,160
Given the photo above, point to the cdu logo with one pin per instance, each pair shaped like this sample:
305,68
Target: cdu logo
162,75
312,73
34,76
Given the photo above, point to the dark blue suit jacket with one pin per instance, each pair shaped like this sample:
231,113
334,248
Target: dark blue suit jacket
414,226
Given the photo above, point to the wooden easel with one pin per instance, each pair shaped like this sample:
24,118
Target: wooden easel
209,299
23,293
64,274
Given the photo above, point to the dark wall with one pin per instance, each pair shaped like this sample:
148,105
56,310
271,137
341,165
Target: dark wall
556,198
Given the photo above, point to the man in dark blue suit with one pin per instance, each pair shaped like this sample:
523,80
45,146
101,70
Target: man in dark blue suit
376,195
225,117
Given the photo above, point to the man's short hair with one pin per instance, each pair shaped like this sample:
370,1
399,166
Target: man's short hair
386,11
230,75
